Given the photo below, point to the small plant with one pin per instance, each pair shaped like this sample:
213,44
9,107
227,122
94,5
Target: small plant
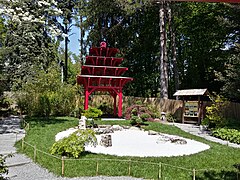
74,145
138,110
93,113
231,135
3,167
170,117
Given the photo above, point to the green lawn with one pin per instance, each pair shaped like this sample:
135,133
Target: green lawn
216,163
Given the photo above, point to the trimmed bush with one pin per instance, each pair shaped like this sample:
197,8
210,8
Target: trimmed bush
139,110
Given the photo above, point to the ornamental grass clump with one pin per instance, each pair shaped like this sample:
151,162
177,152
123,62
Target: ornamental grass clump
74,145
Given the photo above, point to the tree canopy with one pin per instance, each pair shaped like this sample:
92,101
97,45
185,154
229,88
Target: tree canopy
201,40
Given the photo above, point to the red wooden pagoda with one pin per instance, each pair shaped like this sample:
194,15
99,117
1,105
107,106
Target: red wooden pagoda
101,72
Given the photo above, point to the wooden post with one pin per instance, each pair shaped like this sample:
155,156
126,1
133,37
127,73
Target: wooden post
97,168
199,111
194,174
86,98
120,103
183,110
160,171
16,137
35,153
62,166
115,105
22,143
129,167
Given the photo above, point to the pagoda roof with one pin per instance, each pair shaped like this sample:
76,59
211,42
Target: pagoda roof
113,77
103,81
103,61
103,70
103,51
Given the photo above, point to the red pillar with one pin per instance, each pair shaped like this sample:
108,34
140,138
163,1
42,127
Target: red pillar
86,99
120,104
115,105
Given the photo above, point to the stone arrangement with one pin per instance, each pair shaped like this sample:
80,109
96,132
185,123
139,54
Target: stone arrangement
106,139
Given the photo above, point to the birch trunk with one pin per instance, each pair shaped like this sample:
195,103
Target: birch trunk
163,52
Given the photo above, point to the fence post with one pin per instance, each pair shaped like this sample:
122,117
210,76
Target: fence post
160,170
194,174
129,167
16,137
62,166
35,153
22,143
97,168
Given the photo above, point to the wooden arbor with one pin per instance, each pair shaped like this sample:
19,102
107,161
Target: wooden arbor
192,104
101,73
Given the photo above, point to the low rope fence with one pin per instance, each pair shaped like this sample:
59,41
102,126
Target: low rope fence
97,166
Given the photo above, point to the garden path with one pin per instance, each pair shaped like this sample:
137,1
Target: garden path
195,130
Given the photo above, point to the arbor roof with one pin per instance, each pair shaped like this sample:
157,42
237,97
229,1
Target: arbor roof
191,92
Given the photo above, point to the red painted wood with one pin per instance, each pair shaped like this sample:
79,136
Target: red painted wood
101,73
103,70
120,104
86,99
103,61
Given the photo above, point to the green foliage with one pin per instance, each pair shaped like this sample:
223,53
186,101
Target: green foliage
170,117
3,167
48,96
93,113
106,109
139,113
74,145
231,135
215,112
230,77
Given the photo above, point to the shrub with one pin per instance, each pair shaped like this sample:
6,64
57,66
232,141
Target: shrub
214,114
138,110
46,96
231,135
106,109
93,113
74,145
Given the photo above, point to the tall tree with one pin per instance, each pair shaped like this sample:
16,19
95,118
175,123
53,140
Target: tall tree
29,45
68,7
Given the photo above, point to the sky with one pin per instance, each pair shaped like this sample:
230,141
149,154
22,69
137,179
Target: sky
74,40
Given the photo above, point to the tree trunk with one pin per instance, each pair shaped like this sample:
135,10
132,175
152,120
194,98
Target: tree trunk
163,52
82,34
66,55
173,50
